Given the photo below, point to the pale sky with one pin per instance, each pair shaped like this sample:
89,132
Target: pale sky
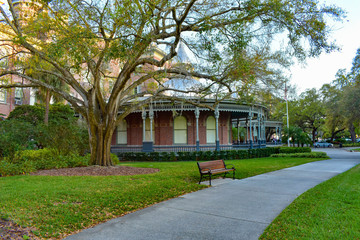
321,70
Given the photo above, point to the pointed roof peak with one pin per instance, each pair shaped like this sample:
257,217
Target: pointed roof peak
181,53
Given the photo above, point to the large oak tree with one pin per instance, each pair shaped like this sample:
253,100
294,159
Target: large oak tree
79,42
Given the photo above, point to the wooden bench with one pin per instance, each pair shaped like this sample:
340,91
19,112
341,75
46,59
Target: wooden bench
214,167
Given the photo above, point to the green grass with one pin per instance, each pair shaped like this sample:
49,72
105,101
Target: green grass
56,206
330,210
356,150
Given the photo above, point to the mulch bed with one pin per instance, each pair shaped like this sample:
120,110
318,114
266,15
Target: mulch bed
12,231
96,171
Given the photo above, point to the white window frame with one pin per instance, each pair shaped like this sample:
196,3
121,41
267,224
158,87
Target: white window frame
180,131
19,94
210,130
3,95
121,136
147,130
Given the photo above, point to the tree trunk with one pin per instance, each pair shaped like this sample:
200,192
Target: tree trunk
100,144
47,106
334,133
313,134
352,132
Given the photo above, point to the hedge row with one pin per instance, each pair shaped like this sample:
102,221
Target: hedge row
294,149
29,161
351,145
302,155
206,155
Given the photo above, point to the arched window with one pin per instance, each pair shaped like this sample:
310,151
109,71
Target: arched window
180,130
122,133
210,130
147,130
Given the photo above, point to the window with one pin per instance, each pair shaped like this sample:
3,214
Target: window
210,130
122,133
180,130
147,130
18,93
136,90
18,96
2,96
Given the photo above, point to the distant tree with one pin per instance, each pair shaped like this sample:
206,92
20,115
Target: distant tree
335,121
350,97
310,112
351,106
296,135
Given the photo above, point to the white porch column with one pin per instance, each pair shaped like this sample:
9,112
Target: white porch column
217,114
143,115
238,132
250,129
259,129
197,115
151,116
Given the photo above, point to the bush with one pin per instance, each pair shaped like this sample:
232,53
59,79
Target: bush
302,155
197,156
24,129
34,114
351,145
10,169
77,161
28,113
294,149
42,159
31,160
64,137
15,136
115,160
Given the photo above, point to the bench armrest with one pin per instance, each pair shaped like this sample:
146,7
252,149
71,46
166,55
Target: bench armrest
233,167
204,169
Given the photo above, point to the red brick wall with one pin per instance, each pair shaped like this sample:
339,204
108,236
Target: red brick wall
224,125
164,128
134,129
6,108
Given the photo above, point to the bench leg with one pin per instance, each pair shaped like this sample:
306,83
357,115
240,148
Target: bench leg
233,175
210,179
200,178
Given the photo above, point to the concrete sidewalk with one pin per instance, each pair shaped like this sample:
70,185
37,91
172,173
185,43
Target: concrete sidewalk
239,209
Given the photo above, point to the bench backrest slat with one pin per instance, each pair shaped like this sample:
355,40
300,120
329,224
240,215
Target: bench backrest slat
216,164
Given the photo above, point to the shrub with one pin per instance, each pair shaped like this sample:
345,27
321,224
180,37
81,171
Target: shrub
28,113
302,155
34,114
77,161
294,149
42,159
197,156
15,136
114,159
48,159
28,161
64,137
351,145
10,169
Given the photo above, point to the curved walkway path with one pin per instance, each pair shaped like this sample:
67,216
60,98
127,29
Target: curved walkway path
236,209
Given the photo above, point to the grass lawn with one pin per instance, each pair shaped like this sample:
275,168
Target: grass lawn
356,150
330,210
57,206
